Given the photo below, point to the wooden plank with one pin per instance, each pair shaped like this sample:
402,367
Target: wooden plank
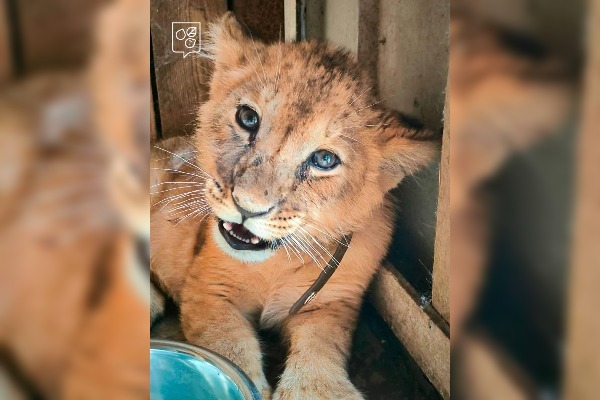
422,331
314,16
441,257
583,328
341,23
56,34
290,20
5,49
182,83
411,79
333,20
264,18
368,36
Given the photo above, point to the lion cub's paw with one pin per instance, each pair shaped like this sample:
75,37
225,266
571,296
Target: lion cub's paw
316,390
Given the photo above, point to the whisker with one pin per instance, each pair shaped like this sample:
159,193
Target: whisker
306,250
255,70
171,198
321,246
286,250
186,205
325,233
377,102
170,189
166,158
257,55
293,248
195,212
185,161
177,171
351,138
178,183
352,102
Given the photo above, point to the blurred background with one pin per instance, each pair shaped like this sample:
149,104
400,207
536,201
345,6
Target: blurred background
524,205
74,215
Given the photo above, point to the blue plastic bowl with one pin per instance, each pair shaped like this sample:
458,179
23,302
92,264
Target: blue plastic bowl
179,371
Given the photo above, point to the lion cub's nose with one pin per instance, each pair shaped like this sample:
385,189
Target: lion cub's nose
249,208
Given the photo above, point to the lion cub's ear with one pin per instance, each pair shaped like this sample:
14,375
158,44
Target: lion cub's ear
405,150
228,42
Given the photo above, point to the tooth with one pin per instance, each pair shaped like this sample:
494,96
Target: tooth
227,225
254,240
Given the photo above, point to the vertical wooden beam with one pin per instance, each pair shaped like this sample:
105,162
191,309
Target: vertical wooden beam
181,83
368,36
411,78
335,21
341,23
441,257
314,19
583,325
290,20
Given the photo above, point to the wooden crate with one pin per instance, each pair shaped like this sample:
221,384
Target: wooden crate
388,38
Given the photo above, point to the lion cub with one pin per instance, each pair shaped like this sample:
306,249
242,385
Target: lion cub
291,154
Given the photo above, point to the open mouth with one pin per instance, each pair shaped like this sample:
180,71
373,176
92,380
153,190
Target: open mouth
240,238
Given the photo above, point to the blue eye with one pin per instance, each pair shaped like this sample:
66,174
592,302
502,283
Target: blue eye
324,160
247,118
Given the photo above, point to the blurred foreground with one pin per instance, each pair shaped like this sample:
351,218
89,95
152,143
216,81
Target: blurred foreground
525,205
74,221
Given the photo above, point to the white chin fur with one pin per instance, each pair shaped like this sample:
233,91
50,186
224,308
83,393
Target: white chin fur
249,256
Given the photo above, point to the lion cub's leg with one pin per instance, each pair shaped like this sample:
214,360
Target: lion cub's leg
216,324
320,342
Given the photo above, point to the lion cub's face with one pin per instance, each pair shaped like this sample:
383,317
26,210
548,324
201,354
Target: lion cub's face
295,149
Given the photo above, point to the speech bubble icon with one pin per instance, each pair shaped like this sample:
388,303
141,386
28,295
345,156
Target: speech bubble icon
185,38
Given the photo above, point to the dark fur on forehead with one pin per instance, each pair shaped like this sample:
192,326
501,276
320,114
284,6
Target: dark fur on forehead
334,61
337,60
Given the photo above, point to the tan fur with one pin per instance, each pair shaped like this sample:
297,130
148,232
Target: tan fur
309,97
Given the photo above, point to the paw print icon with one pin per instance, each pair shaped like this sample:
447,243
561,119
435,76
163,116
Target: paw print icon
185,38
